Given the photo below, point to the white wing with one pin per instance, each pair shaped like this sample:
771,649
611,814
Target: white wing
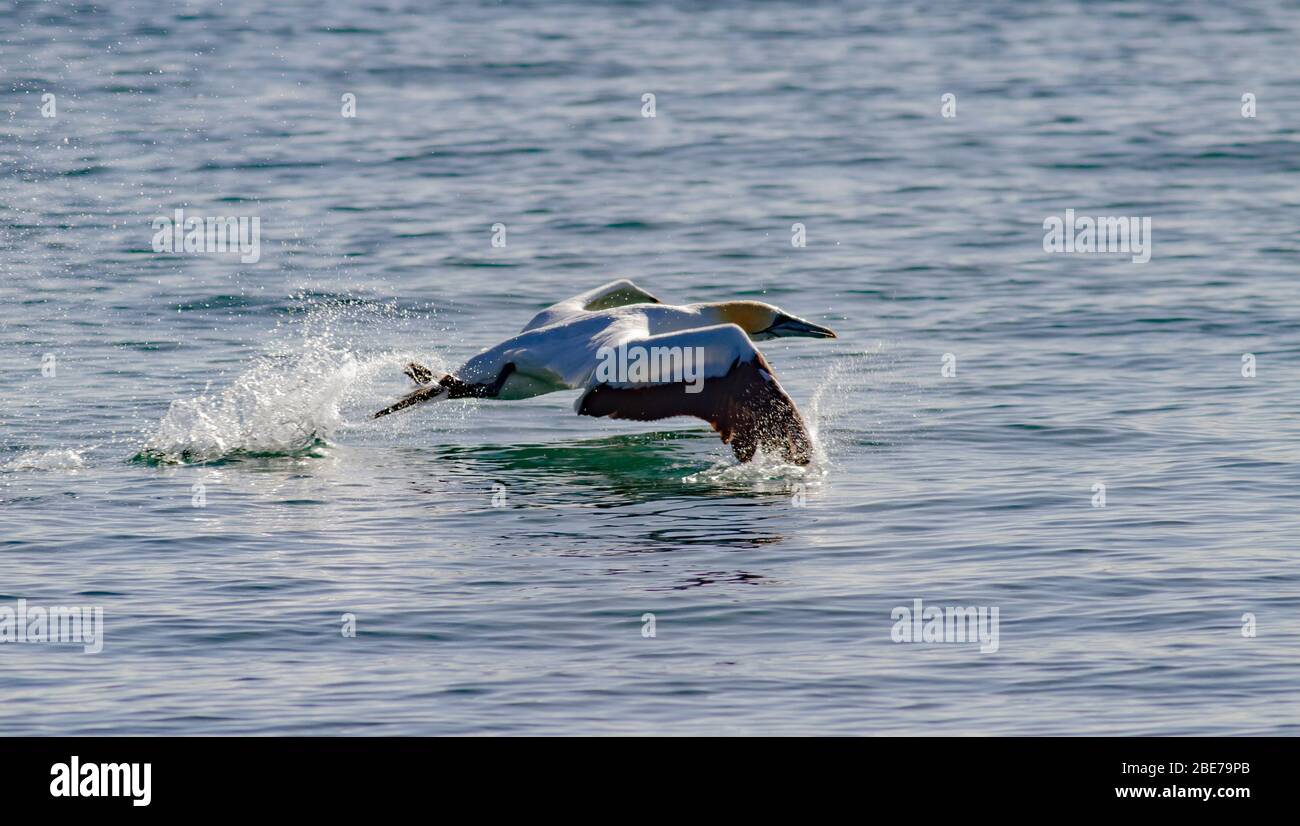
614,294
560,355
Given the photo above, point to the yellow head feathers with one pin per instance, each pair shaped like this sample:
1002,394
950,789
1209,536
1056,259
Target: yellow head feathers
763,321
750,316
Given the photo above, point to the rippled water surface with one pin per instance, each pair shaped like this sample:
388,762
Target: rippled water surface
186,380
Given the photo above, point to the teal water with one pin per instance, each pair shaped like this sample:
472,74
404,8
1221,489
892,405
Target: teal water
771,588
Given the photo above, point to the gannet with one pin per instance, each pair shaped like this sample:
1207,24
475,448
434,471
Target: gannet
563,347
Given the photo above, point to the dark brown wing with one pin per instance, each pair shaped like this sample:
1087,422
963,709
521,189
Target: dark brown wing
747,407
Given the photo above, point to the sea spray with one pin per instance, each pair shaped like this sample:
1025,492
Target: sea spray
278,407
290,401
58,459
843,379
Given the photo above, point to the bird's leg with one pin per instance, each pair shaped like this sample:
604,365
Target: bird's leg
458,389
426,393
448,387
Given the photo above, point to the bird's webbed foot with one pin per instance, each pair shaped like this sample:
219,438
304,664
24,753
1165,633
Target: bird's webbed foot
418,373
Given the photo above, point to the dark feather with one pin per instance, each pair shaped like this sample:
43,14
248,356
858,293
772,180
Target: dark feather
747,407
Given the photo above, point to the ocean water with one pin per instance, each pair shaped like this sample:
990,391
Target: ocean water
197,458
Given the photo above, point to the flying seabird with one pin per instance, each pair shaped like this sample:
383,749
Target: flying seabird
588,342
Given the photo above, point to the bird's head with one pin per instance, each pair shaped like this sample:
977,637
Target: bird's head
763,321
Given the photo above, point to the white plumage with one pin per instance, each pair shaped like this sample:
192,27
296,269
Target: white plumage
563,345
561,351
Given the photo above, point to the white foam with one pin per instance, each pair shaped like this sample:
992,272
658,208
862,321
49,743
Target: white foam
279,406
47,460
840,380
288,403
763,469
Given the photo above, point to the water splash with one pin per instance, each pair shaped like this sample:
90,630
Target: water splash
843,383
63,459
290,401
279,407
843,380
762,474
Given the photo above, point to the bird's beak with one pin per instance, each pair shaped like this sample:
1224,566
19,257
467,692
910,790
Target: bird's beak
787,326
